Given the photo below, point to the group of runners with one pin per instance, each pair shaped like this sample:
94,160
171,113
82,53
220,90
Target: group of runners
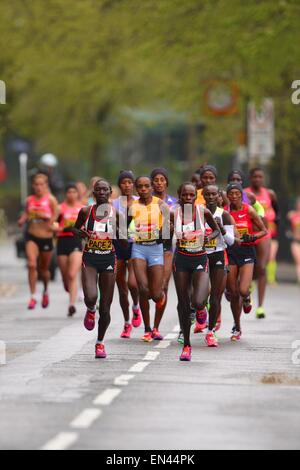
215,243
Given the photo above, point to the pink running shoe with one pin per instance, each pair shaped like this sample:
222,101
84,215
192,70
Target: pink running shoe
127,331
186,354
32,304
236,336
45,301
100,351
199,328
201,321
156,335
211,340
90,320
137,317
147,338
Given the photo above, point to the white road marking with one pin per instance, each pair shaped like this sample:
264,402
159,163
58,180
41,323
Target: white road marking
139,367
107,397
171,336
151,356
176,329
123,379
62,441
163,345
86,418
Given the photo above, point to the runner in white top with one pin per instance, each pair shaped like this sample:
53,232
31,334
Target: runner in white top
218,260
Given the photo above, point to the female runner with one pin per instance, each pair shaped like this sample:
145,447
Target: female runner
160,182
69,246
191,266
242,255
148,228
125,264
40,214
99,225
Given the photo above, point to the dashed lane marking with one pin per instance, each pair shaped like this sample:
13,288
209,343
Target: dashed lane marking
139,367
151,356
123,380
86,418
107,397
62,441
163,345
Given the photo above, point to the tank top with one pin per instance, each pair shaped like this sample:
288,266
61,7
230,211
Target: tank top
243,221
147,222
101,233
218,244
200,198
39,206
265,200
196,231
68,218
295,222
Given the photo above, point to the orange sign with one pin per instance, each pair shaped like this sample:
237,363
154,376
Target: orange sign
221,97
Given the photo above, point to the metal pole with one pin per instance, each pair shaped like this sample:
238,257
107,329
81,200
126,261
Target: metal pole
23,159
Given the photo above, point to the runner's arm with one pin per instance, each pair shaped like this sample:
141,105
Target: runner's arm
257,221
212,224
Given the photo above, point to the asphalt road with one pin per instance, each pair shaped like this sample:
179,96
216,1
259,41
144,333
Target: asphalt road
55,395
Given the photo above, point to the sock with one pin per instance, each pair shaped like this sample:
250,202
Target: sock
99,342
271,272
136,307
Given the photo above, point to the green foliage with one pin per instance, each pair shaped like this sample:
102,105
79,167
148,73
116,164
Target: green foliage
71,66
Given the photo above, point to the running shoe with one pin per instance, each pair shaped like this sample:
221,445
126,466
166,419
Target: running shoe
247,305
127,331
180,339
156,335
45,301
72,311
100,352
211,340
162,302
236,336
201,321
186,354
32,304
90,320
137,317
218,324
260,313
147,338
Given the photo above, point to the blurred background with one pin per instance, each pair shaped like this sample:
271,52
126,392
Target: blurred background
107,84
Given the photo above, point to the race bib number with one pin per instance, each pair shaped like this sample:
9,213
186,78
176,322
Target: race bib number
99,245
212,244
243,231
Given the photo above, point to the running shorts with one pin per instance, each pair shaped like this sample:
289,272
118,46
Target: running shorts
152,254
101,263
218,260
45,245
68,245
241,255
123,254
190,263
